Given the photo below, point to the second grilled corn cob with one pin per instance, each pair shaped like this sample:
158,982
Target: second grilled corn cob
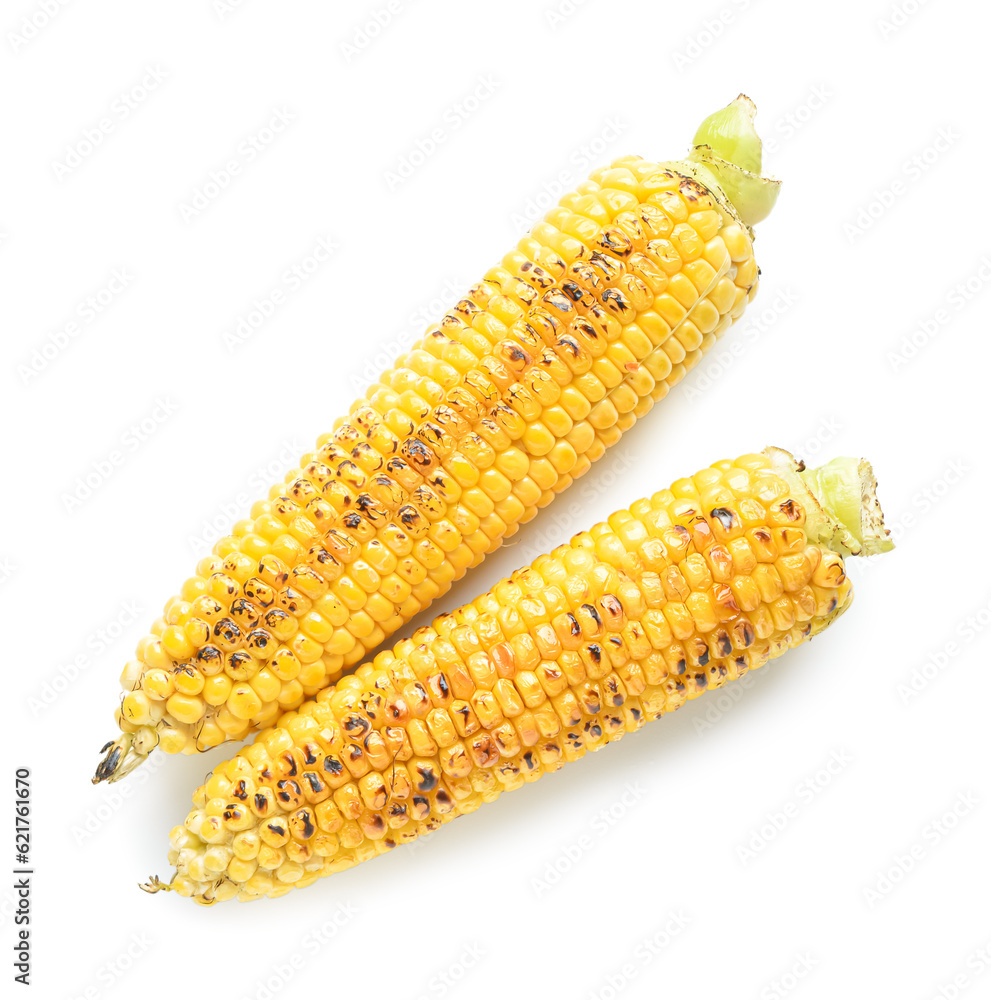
603,307
681,593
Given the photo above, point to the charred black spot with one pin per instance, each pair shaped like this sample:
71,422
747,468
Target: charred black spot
790,509
275,617
240,658
417,452
614,240
308,828
573,291
259,639
309,755
290,764
428,780
748,634
679,667
614,295
240,790
332,765
593,729
593,614
354,752
725,517
364,451
442,798
445,689
610,603
702,679
354,723
636,713
227,629
832,606
691,190
529,760
762,535
574,627
352,519
277,828
725,646
261,803
209,655
288,790
595,651
313,780
704,658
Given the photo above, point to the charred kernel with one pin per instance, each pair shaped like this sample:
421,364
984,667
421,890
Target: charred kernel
725,517
227,633
333,766
288,792
262,802
355,725
287,762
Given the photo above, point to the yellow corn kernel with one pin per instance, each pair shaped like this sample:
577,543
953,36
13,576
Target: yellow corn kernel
158,684
185,708
243,702
217,689
188,680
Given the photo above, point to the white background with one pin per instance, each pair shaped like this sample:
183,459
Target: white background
877,125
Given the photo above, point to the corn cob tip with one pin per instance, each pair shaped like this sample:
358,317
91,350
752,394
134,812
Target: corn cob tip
843,510
728,149
155,884
121,756
207,896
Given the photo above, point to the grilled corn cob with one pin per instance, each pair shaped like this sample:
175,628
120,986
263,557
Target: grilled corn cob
679,594
603,307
